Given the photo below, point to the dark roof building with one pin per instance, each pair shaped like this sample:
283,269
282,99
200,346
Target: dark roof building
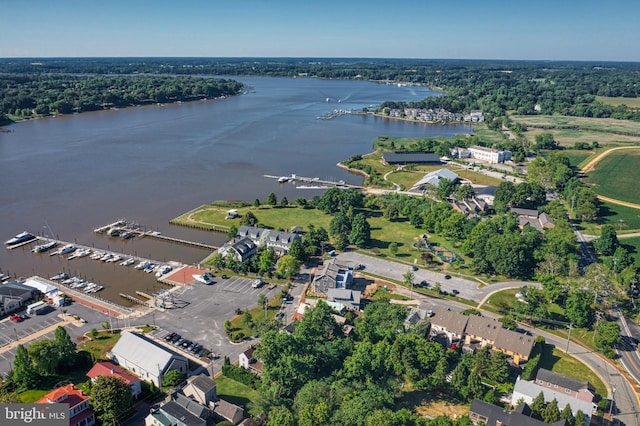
415,157
492,415
334,275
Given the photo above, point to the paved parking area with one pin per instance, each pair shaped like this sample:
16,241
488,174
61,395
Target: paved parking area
202,310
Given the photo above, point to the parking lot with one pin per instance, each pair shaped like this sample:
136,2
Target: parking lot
11,331
201,311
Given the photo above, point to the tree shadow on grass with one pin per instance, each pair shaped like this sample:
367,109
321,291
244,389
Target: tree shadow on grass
548,359
237,400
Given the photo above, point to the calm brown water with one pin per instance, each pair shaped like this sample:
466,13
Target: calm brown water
150,164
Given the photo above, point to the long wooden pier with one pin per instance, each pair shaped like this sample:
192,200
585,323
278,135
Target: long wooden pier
314,182
123,226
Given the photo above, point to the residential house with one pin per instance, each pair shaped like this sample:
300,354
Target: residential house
247,361
540,221
240,249
575,388
470,206
415,157
280,241
228,411
482,330
350,299
108,369
484,413
453,327
489,155
333,275
434,178
80,413
14,295
528,390
449,324
415,316
173,414
201,388
513,344
145,358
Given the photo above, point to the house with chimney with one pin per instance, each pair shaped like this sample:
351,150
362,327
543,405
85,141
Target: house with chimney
333,275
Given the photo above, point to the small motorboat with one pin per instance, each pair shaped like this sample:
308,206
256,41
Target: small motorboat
20,238
206,278
59,276
41,248
128,262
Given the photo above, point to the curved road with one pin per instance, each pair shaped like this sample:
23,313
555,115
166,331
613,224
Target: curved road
626,400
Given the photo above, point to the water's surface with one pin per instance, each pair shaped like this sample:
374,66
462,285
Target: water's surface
150,164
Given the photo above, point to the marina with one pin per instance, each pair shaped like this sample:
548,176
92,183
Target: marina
303,182
122,228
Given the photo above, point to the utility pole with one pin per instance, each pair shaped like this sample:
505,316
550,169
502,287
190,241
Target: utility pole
569,338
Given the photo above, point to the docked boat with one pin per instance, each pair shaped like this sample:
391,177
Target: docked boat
3,276
143,264
96,289
106,257
206,278
41,248
89,288
69,248
128,262
79,283
149,268
113,232
79,253
59,276
126,235
20,238
97,255
115,258
163,270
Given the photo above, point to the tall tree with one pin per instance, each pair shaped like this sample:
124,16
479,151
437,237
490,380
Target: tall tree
110,398
24,373
360,231
45,356
551,412
272,200
288,266
578,308
66,348
608,241
267,261
538,405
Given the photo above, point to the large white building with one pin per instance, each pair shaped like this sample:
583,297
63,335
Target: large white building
489,155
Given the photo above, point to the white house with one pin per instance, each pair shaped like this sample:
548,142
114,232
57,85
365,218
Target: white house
145,358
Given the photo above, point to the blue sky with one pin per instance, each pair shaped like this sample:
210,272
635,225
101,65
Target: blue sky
481,29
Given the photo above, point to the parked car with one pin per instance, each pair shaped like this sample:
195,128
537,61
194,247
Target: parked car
257,283
224,277
175,338
447,277
456,292
414,268
15,318
180,341
186,343
169,336
423,283
280,314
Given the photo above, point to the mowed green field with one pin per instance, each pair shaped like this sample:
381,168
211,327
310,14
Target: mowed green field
617,176
630,102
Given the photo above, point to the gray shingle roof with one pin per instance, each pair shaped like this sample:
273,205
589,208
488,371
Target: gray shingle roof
560,380
518,343
143,352
495,414
177,411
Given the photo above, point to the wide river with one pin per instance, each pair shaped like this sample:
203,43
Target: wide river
68,175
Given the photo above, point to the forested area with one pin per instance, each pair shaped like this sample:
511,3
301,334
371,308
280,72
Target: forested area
28,95
523,87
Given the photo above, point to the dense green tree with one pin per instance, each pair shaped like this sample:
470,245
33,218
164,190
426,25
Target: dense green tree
578,308
24,375
272,200
256,203
580,418
280,416
567,414
393,248
446,187
340,226
551,412
360,231
267,261
45,356
232,232
608,241
499,367
288,267
110,398
608,335
249,219
538,405
381,320
297,251
66,348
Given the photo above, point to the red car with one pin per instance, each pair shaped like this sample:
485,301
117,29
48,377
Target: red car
15,318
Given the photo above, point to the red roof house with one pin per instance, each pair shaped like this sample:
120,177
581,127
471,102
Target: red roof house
109,369
80,413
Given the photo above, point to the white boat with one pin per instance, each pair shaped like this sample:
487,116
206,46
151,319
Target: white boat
79,253
143,264
283,179
20,238
149,268
128,262
90,287
113,232
79,284
97,255
64,250
126,235
163,270
41,248
59,276
106,257
206,278
4,277
115,258
96,289
69,281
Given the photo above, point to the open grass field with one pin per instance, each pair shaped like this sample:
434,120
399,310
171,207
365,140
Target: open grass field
487,135
273,217
630,102
577,157
99,346
561,363
623,219
633,245
569,130
617,175
234,392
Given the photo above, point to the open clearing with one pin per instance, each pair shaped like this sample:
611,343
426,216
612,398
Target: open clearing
569,130
630,102
614,174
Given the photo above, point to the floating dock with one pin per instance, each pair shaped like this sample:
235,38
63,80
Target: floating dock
137,230
308,182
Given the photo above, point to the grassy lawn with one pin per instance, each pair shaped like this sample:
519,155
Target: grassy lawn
616,175
381,293
633,245
624,219
273,217
99,346
78,377
577,157
234,392
569,130
486,134
561,363
630,102
258,314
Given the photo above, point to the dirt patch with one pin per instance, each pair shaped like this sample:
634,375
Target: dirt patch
431,406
